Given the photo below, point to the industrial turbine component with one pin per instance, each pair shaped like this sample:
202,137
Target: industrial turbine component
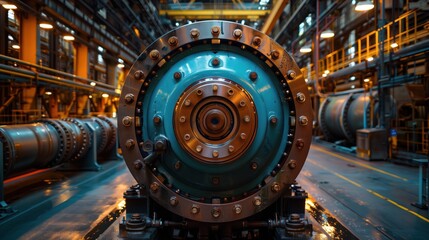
215,121
340,115
50,142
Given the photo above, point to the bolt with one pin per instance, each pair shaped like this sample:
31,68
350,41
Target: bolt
275,187
129,98
195,33
299,144
182,119
230,92
292,164
273,120
177,165
177,75
215,30
275,54
139,74
291,75
187,102
231,148
127,120
257,41
187,137
253,76
246,119
154,54
157,120
199,148
237,209
253,165
300,97
138,164
257,201
215,87
237,33
243,136
195,209
129,144
215,61
215,153
199,92
174,201
303,120
242,103
173,41
216,212
154,186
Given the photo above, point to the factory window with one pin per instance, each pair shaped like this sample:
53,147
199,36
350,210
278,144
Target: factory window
44,47
13,29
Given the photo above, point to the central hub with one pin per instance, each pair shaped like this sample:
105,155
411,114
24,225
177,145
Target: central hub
215,120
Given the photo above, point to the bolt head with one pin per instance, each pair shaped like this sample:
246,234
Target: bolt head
291,75
299,144
253,76
292,164
154,187
238,209
257,201
237,33
300,97
303,120
275,187
138,164
157,120
275,54
177,75
174,201
173,41
273,120
257,41
216,212
195,33
129,144
139,74
129,98
215,61
215,153
215,30
126,121
195,209
154,54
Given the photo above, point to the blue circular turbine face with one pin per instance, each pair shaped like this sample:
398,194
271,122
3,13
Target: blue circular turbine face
215,112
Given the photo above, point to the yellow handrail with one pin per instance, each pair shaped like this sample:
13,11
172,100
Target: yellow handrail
404,31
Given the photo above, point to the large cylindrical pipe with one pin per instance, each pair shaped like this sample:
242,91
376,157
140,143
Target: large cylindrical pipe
52,142
28,145
342,114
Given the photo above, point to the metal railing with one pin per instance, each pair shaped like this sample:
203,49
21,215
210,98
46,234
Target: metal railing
16,68
406,30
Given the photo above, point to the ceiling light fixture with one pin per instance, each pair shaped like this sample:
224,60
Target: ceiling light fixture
9,6
68,37
362,6
328,33
305,49
46,25
394,45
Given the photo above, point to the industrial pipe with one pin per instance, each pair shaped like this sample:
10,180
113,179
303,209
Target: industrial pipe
340,115
50,142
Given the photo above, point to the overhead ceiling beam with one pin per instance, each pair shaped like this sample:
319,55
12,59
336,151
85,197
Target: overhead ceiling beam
274,16
214,14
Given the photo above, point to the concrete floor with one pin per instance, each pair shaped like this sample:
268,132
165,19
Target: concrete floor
371,199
